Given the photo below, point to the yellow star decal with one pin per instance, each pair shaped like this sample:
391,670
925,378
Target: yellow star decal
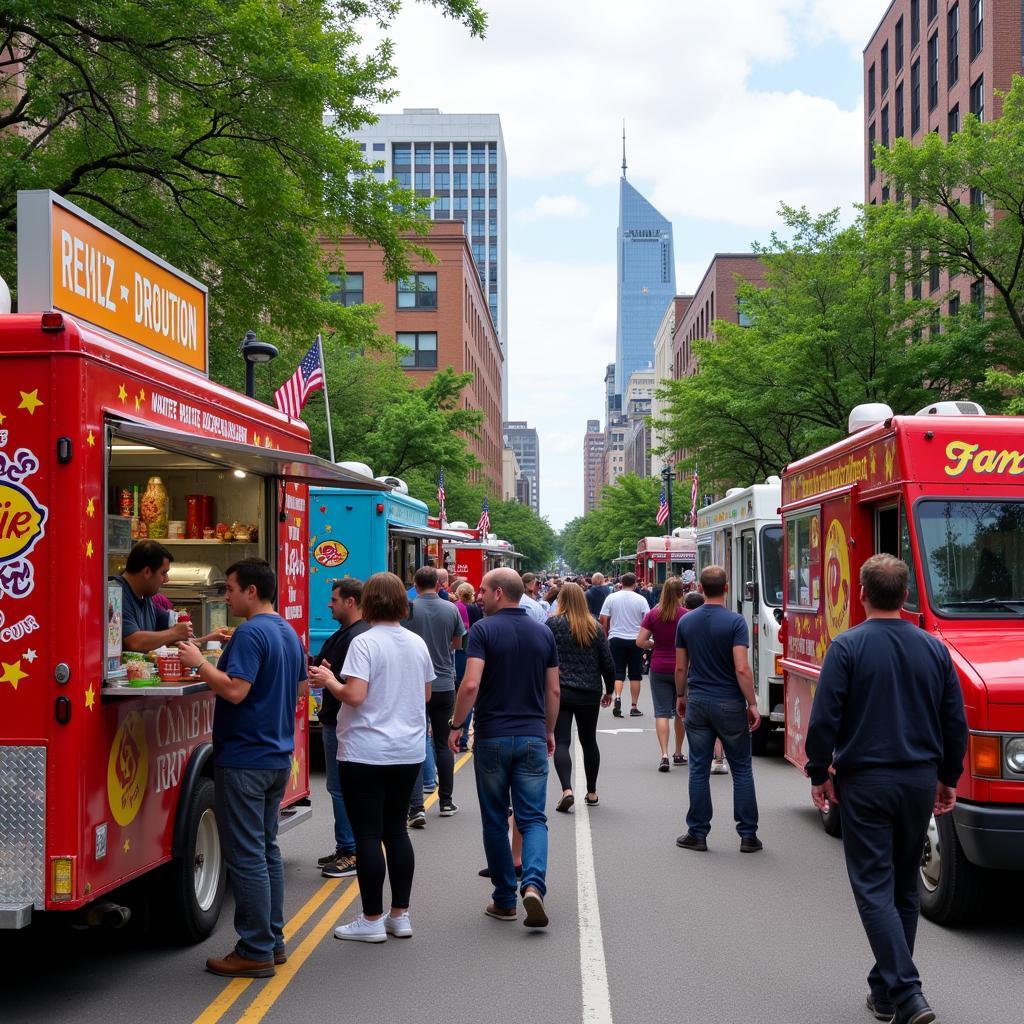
327,528
12,673
138,403
295,772
90,507
256,440
122,393
90,697
142,393
127,845
298,520
2,418
268,443
90,439
30,400
88,549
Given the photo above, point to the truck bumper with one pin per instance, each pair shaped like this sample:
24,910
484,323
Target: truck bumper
992,837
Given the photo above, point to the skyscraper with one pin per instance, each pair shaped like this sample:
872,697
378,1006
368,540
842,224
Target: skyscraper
459,161
646,278
523,440
593,465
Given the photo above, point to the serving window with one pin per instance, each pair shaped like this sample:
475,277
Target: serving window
803,561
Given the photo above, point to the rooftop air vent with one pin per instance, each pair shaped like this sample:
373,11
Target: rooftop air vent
360,468
397,483
733,490
773,479
952,409
867,415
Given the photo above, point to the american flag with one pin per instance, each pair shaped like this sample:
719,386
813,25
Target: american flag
440,499
291,396
484,525
693,497
662,508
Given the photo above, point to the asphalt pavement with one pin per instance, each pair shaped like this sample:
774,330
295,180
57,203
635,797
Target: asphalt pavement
720,937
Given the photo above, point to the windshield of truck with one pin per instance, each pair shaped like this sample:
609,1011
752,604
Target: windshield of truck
973,554
771,566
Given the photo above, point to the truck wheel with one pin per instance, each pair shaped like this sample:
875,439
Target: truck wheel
831,822
194,887
759,738
952,889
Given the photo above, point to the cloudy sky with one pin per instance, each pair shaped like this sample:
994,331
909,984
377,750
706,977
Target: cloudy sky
729,106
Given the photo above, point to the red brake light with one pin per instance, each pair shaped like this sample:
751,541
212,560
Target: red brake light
380,508
52,322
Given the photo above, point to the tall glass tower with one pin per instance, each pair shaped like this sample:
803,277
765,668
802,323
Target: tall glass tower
646,279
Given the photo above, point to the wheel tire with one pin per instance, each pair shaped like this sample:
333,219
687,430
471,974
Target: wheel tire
953,890
760,738
193,889
831,822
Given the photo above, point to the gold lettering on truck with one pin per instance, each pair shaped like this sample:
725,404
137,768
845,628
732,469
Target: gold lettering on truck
963,455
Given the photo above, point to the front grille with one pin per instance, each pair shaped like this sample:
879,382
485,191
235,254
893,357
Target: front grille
23,825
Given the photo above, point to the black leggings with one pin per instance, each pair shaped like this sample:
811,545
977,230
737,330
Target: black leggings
377,800
586,716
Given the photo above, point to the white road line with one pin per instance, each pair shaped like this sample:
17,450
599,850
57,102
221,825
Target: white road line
597,1005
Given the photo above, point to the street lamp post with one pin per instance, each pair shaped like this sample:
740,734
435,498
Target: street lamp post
666,479
254,351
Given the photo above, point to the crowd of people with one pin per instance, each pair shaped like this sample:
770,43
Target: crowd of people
527,657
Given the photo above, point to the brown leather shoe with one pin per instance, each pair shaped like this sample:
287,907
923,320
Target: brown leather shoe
501,913
235,966
280,957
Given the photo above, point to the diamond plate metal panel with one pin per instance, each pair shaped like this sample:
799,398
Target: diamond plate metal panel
23,825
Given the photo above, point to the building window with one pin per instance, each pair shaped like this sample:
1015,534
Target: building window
479,179
898,126
933,10
417,291
977,27
978,98
884,65
348,289
871,89
915,97
403,179
460,203
422,354
898,56
378,147
915,23
978,295
442,179
953,45
492,228
885,193
401,154
492,156
933,277
933,71
871,151
915,274
492,203
954,305
423,156
977,196
442,208
478,202
442,154
423,181
953,122
460,155
885,126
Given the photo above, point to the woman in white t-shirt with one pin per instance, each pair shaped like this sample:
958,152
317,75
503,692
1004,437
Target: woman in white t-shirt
381,735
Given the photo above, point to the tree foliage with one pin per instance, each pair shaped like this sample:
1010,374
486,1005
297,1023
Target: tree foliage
528,533
833,326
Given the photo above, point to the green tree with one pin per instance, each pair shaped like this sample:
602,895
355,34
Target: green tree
628,511
528,533
197,128
829,330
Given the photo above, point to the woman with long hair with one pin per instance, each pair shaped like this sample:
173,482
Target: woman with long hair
381,736
587,680
658,635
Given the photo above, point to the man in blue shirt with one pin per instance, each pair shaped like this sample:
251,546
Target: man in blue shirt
257,684
888,716
144,627
715,687
512,677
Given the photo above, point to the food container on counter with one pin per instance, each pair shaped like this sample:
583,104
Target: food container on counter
154,508
208,533
171,668
125,501
194,516
176,529
206,511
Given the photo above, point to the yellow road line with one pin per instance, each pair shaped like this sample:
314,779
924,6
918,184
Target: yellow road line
270,992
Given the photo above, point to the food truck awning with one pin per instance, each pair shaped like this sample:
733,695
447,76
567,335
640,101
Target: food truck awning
303,469
426,531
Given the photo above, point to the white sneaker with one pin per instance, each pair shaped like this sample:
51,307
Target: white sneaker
361,930
719,767
400,927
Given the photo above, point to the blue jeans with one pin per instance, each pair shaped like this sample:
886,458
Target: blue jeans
247,802
706,718
344,840
513,768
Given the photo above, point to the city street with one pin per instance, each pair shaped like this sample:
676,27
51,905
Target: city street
718,937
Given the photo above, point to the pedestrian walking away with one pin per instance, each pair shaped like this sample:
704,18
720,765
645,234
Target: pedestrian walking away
888,716
586,680
715,689
621,617
256,682
344,605
381,731
658,635
596,594
512,678
440,626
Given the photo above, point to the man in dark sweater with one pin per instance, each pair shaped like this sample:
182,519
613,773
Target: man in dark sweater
596,594
344,604
888,716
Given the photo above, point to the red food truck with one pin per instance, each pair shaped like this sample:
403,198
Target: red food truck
474,559
110,431
941,490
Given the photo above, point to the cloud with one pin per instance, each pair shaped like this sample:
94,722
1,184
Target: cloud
545,207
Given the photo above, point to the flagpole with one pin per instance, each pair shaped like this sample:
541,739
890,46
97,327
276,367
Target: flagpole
327,401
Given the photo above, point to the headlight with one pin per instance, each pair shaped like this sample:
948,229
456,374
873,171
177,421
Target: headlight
1015,755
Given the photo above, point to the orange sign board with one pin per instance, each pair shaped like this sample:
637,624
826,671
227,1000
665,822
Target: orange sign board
99,276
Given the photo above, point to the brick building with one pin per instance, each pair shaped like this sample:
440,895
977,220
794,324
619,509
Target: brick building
441,315
663,371
593,465
927,65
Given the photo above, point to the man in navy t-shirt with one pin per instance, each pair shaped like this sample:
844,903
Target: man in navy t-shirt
512,676
256,682
715,687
